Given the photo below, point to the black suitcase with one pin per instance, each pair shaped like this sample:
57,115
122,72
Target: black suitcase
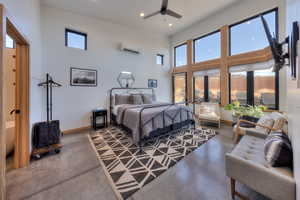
46,134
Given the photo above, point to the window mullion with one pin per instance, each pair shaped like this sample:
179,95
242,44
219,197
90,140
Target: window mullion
250,88
229,87
277,90
206,89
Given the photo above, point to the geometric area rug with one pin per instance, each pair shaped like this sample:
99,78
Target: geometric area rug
130,168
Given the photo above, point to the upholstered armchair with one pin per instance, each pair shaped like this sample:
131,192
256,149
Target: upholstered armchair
270,122
209,112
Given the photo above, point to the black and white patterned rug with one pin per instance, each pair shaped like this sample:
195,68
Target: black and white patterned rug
129,169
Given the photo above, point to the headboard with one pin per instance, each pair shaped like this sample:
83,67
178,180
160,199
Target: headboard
126,90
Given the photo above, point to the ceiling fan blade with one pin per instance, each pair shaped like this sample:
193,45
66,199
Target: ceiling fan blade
173,14
151,15
164,5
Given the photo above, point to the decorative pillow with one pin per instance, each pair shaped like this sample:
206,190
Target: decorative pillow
136,99
122,99
266,121
148,98
278,150
279,120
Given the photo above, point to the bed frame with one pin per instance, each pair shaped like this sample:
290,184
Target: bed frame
160,131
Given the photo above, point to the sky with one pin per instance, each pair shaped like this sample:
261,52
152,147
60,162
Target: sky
9,42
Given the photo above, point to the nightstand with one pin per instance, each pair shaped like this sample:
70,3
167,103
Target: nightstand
99,118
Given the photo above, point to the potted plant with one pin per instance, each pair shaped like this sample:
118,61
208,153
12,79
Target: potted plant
239,110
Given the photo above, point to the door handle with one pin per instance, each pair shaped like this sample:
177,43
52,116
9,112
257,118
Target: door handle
17,111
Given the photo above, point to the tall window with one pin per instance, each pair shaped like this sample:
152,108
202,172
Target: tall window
207,47
249,35
214,88
75,39
238,83
180,55
179,84
254,84
207,86
199,88
265,88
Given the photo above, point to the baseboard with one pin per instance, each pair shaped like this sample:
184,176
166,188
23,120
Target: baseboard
77,130
227,122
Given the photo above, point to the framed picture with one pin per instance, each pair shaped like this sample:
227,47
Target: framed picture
83,77
152,83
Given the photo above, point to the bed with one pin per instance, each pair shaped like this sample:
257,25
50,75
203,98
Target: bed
137,111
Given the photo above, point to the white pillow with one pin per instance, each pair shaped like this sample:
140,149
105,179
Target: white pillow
266,121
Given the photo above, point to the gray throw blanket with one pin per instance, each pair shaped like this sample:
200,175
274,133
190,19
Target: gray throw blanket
163,115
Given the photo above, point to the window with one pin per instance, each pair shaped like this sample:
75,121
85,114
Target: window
254,84
214,88
180,55
249,35
207,86
9,42
207,47
238,83
199,88
179,82
265,88
160,59
76,39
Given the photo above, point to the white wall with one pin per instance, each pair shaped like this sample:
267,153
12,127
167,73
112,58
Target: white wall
73,105
239,11
293,101
26,16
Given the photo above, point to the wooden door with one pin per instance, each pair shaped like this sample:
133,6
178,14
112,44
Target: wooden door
22,153
10,101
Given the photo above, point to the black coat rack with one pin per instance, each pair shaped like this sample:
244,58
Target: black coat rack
49,84
46,135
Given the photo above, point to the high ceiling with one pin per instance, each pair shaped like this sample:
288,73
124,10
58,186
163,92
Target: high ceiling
127,12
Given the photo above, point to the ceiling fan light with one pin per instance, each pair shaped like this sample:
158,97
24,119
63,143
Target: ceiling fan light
142,14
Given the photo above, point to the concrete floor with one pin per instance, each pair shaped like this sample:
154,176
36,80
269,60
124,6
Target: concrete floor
75,173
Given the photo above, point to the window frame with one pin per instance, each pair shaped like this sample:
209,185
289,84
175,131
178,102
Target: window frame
276,10
161,57
185,43
173,87
250,89
67,30
201,37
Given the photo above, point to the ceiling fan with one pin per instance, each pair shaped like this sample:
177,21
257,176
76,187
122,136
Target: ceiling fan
164,11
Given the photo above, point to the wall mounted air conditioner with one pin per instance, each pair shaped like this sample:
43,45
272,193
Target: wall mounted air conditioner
129,48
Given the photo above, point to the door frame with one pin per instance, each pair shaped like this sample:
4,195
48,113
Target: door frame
22,154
